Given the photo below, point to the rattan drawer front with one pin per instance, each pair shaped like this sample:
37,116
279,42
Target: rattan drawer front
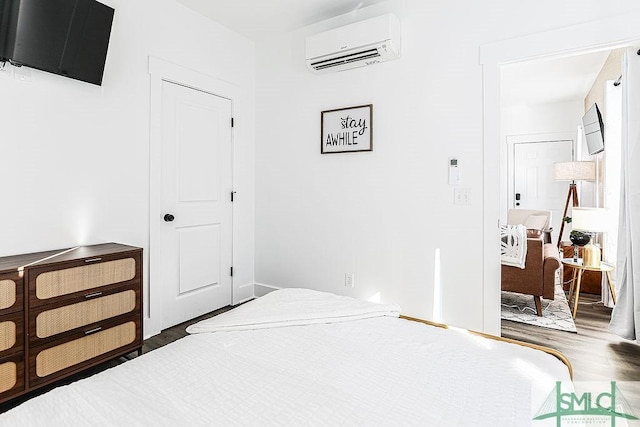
54,359
8,376
8,335
62,319
11,377
52,284
7,293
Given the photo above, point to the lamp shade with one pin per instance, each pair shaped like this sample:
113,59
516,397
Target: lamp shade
589,219
572,171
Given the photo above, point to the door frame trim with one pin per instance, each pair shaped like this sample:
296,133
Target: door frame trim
606,33
159,71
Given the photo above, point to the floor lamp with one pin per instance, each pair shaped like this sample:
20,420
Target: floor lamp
572,171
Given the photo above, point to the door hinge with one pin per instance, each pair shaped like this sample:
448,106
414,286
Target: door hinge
232,122
231,271
232,195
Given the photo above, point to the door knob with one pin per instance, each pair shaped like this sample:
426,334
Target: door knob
168,217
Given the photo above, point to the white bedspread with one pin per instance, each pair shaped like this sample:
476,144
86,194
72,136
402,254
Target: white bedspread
291,307
375,371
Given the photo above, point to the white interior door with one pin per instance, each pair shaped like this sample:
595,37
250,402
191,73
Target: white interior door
534,185
196,239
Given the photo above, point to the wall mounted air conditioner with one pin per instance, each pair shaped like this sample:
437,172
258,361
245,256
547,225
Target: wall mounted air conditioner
363,43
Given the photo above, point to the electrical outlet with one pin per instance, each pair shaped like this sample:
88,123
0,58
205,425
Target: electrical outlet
22,73
349,280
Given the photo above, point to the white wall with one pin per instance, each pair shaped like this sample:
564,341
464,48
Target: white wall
382,215
559,117
75,157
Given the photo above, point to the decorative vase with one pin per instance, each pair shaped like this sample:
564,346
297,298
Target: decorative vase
591,256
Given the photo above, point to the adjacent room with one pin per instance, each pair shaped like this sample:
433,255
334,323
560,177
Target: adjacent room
400,196
556,162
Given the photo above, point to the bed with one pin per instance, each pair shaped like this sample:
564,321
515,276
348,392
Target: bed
300,357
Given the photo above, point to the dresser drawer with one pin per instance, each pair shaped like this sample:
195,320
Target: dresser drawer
11,293
85,349
64,311
81,277
54,319
11,376
11,334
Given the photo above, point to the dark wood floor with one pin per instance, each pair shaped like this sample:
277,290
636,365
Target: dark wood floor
596,353
176,332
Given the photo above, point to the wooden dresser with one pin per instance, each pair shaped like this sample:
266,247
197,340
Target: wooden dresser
67,310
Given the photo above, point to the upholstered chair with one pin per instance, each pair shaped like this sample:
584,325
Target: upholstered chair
538,277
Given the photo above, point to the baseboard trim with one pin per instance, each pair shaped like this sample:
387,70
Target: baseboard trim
260,289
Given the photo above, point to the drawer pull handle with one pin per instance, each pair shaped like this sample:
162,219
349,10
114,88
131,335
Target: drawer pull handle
93,295
92,260
93,331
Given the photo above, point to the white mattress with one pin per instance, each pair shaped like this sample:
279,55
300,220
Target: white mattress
374,371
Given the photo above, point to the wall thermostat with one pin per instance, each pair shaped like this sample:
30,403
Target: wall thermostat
454,173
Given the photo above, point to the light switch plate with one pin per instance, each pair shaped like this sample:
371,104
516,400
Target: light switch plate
462,196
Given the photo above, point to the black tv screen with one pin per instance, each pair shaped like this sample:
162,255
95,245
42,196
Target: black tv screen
66,37
593,130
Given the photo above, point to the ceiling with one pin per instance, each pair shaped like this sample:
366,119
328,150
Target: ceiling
532,82
551,80
255,19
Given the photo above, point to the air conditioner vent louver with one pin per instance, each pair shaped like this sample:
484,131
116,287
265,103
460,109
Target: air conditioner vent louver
340,60
363,43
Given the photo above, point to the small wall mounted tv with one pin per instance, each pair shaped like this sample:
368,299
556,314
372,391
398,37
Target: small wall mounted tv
66,37
593,130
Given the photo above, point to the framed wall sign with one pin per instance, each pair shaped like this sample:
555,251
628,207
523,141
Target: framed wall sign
347,130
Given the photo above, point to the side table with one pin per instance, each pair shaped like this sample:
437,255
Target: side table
591,282
578,271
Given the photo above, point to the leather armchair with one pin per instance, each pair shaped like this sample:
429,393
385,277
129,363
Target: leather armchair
539,275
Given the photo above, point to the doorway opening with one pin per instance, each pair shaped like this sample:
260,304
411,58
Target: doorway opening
496,59
604,35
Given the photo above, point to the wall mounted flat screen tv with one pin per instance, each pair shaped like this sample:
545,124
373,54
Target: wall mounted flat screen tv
593,129
66,37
